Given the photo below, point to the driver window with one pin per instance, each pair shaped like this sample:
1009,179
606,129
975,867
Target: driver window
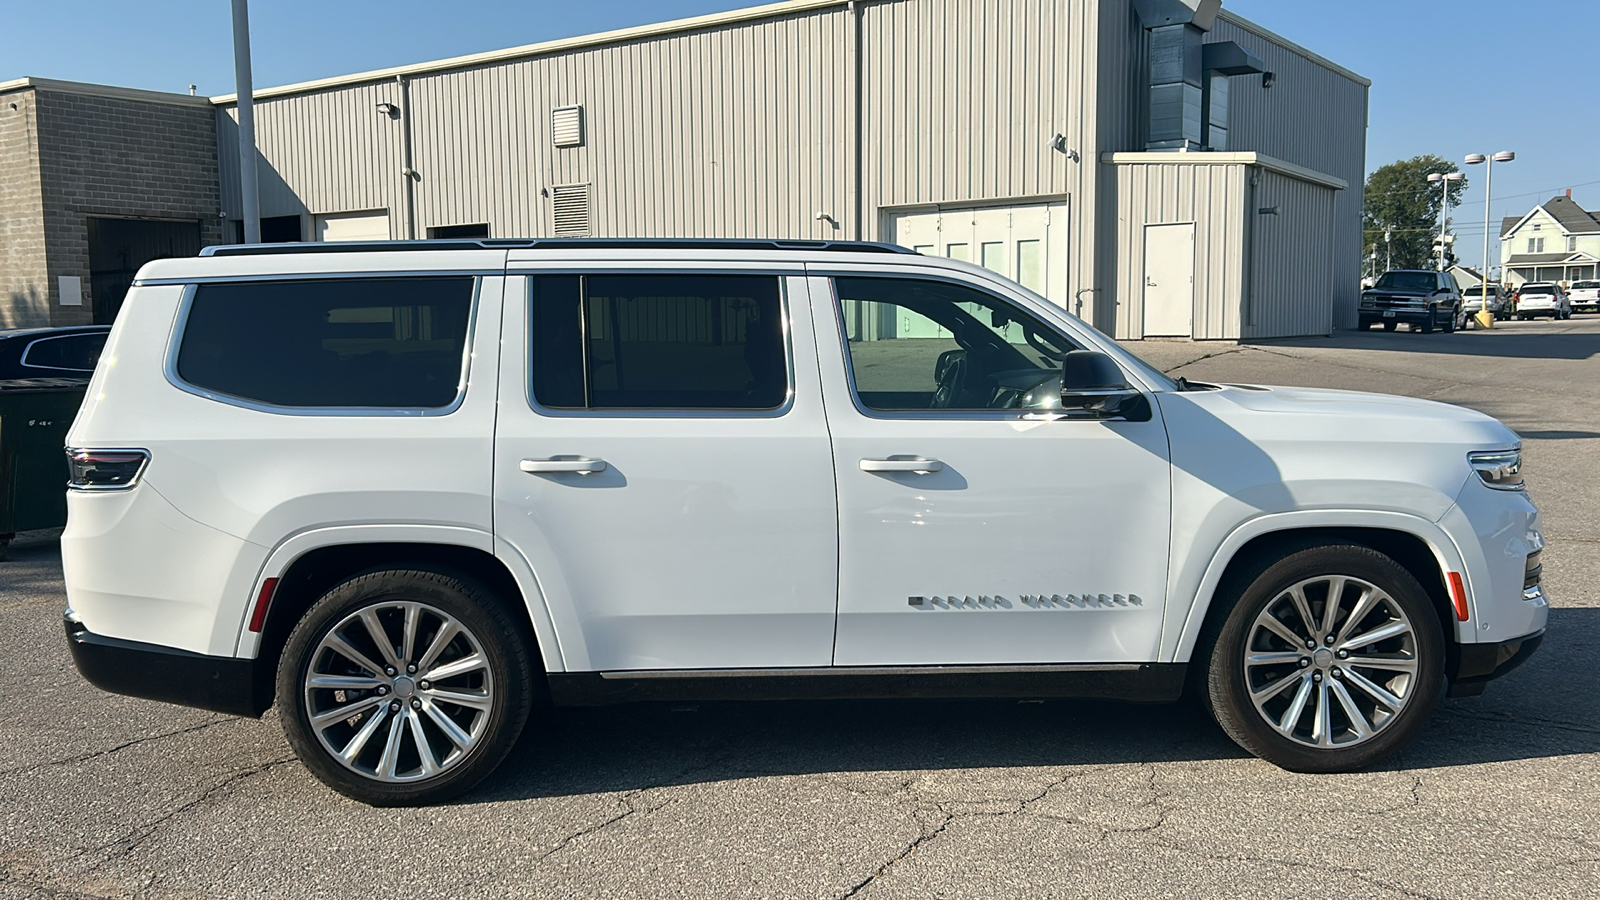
919,344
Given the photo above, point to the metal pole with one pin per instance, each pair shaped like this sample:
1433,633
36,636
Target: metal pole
1444,203
249,189
1485,317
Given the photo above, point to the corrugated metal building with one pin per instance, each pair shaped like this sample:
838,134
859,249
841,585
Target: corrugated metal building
1056,141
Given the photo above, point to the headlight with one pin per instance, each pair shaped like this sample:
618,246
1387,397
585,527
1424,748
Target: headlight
1369,301
1501,469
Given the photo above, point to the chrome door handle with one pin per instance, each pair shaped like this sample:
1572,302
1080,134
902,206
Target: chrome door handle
580,466
919,466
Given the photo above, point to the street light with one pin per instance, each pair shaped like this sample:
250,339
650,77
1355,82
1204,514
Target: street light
1444,205
1486,318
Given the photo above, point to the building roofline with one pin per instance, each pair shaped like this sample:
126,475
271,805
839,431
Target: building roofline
1223,158
544,48
101,90
1235,19
713,20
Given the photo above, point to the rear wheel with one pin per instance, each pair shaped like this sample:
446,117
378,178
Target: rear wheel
405,687
1331,659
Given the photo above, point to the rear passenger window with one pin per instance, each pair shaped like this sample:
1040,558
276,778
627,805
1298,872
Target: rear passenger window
79,352
392,343
658,342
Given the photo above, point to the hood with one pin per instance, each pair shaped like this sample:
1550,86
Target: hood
1290,447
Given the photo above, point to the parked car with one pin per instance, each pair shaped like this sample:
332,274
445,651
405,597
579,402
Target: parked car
1542,298
67,352
406,489
1422,298
1472,300
1585,296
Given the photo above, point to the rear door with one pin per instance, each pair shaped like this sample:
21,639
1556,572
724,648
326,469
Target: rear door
662,463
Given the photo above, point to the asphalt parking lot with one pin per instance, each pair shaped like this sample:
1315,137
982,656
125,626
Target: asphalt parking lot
105,796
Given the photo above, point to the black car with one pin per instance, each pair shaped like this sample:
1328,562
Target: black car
69,352
1421,297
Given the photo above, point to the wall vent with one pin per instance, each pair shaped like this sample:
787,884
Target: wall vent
570,203
566,126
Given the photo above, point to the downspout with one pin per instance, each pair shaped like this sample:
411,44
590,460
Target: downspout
1247,316
853,10
405,157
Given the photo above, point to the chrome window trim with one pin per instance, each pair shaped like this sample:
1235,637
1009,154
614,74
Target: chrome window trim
692,412
23,360
971,415
102,488
175,344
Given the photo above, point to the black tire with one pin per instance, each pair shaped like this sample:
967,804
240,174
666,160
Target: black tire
504,680
1450,324
1428,323
1365,325
1390,325
1266,586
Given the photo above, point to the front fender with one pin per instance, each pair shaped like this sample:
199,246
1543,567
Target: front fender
1182,627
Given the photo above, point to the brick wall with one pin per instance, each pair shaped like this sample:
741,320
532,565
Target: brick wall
24,286
120,158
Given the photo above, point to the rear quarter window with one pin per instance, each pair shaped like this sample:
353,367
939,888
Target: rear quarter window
387,343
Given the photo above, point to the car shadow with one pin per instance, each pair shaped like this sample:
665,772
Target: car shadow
1519,340
1536,712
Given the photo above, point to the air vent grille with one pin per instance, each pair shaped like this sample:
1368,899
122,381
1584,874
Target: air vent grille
566,126
570,203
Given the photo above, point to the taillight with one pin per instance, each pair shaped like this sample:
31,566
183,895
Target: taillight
105,470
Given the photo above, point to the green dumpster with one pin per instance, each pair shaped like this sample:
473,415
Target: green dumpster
35,414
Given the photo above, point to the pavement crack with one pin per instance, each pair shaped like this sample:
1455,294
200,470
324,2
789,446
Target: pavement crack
927,835
85,757
1505,719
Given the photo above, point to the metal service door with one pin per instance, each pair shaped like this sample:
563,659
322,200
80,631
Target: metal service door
662,464
1169,280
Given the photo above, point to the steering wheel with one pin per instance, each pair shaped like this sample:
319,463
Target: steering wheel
1050,352
952,382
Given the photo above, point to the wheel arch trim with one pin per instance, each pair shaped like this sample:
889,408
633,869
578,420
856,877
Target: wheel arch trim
1179,647
294,548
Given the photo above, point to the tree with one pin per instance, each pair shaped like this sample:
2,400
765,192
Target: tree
1402,201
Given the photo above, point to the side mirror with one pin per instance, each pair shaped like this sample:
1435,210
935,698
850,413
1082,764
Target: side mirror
1092,383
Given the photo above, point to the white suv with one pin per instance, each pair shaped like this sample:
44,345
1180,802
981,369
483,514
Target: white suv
1585,296
416,491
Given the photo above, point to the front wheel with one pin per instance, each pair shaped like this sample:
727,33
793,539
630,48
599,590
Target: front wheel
403,687
1331,659
1428,323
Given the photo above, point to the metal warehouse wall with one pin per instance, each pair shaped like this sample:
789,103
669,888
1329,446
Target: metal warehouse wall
1211,196
1295,263
1313,116
937,134
734,131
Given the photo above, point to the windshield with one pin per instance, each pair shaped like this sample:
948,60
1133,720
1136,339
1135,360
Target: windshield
1407,281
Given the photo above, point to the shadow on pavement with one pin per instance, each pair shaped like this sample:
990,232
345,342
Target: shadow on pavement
1504,342
1536,712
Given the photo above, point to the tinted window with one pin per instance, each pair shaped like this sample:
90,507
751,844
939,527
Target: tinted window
79,352
349,342
923,344
1585,285
658,342
1538,289
1407,281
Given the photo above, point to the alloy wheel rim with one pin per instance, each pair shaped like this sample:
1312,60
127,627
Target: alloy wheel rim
1331,662
399,691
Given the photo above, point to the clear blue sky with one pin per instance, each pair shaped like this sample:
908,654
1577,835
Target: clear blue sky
1449,78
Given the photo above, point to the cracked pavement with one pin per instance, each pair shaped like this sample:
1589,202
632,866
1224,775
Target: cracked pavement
106,796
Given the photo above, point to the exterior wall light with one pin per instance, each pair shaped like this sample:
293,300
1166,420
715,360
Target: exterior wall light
389,109
1268,78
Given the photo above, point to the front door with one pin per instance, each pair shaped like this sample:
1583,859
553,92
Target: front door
662,463
974,529
1169,280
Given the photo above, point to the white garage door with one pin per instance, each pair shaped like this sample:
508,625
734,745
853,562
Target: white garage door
1025,243
372,225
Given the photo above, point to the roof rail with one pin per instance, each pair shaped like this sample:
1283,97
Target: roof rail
553,244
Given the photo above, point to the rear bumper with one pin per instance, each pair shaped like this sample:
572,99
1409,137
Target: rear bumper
220,683
1471,666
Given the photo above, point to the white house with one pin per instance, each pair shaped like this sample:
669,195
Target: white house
1558,241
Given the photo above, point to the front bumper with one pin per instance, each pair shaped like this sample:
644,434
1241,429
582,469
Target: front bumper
223,684
1410,316
1471,666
